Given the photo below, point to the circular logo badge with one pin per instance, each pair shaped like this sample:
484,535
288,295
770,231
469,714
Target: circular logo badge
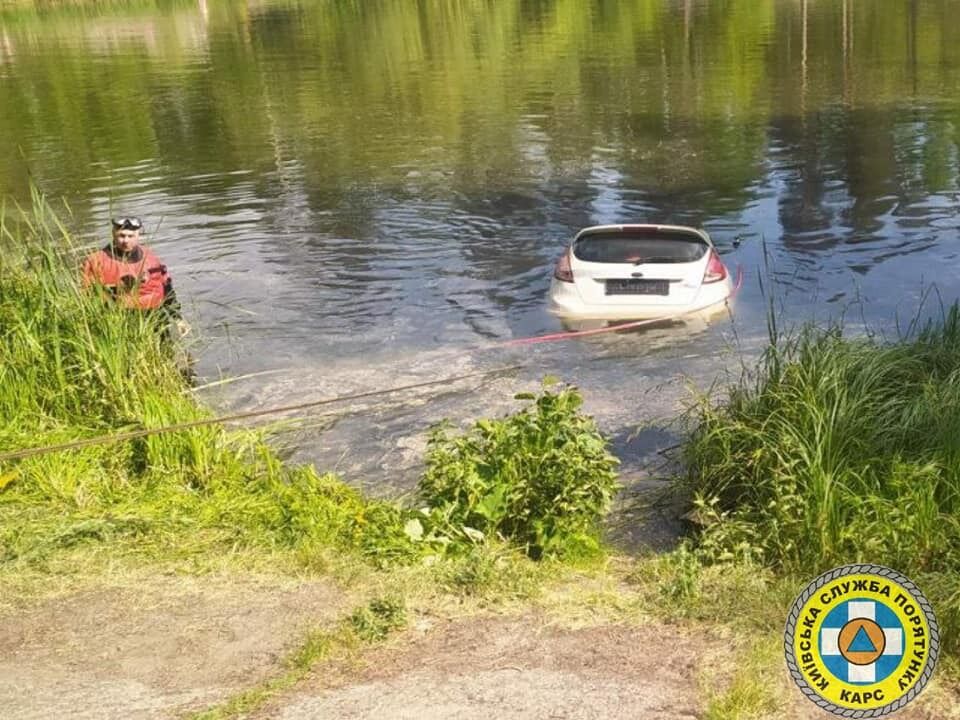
861,641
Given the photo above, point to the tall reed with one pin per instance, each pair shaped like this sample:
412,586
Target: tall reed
838,450
72,366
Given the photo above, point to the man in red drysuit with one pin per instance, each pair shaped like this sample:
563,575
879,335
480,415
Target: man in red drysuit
130,273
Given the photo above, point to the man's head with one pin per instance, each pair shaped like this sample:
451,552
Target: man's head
126,234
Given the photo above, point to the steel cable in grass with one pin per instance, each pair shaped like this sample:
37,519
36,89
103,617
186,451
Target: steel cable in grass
145,432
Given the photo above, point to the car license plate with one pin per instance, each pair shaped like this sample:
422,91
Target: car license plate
631,286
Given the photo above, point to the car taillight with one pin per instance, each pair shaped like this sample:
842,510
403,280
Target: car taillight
715,269
563,271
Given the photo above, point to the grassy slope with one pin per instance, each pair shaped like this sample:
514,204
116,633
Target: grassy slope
841,450
74,367
197,501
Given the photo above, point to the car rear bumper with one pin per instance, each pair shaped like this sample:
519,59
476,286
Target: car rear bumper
566,302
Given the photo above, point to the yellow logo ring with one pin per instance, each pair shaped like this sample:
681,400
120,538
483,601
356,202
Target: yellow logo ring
861,641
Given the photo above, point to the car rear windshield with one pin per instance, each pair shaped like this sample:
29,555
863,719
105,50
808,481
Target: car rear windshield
626,247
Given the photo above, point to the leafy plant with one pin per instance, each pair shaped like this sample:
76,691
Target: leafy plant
541,477
378,619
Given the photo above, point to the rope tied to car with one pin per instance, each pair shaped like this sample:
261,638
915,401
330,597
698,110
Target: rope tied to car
145,432
515,342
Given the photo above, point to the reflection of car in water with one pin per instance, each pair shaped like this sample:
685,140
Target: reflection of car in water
690,322
632,272
646,336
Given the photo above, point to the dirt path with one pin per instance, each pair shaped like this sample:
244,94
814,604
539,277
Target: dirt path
510,669
169,645
522,668
172,646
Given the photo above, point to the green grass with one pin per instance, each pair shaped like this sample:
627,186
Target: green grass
749,694
839,450
74,367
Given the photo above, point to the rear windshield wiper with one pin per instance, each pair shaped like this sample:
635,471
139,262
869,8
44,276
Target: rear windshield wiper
655,259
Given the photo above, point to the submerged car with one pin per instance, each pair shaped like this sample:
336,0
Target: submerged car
638,271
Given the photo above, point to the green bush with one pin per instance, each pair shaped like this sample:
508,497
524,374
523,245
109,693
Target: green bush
542,478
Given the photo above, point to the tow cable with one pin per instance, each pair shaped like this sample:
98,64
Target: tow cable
145,432
516,342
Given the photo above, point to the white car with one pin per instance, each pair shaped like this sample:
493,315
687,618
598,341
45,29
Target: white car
625,272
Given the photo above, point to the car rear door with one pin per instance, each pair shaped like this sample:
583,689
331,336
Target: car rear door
639,266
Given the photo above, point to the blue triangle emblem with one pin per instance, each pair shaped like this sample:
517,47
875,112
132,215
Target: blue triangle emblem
862,642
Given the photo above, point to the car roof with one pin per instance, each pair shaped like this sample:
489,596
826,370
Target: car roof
644,226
